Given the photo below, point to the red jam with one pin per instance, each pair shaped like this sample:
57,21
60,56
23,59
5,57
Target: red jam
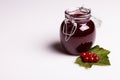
77,31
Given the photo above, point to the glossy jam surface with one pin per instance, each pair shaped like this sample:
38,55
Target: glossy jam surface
81,40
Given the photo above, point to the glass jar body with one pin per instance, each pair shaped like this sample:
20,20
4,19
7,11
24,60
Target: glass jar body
82,39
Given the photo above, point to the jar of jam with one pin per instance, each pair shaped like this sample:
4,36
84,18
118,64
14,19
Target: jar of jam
77,31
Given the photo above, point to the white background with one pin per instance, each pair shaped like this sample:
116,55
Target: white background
29,40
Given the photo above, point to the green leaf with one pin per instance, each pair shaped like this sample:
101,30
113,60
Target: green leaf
98,50
101,53
81,63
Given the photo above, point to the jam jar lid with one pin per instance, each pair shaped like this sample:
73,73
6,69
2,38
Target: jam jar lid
78,14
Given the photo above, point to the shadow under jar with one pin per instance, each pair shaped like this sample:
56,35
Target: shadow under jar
77,31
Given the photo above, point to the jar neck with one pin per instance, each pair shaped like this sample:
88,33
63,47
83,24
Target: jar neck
78,15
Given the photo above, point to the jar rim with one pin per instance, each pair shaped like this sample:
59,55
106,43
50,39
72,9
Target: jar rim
82,11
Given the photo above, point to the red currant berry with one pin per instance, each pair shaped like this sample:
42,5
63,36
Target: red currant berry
96,59
85,59
94,55
91,59
83,54
88,54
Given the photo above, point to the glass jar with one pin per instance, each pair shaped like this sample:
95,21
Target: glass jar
77,31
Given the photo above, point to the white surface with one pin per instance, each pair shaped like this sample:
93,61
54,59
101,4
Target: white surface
29,31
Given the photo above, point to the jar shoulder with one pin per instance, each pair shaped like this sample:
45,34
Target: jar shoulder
80,30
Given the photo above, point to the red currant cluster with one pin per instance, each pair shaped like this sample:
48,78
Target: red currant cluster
89,57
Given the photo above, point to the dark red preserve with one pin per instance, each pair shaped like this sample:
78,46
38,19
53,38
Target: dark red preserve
77,31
